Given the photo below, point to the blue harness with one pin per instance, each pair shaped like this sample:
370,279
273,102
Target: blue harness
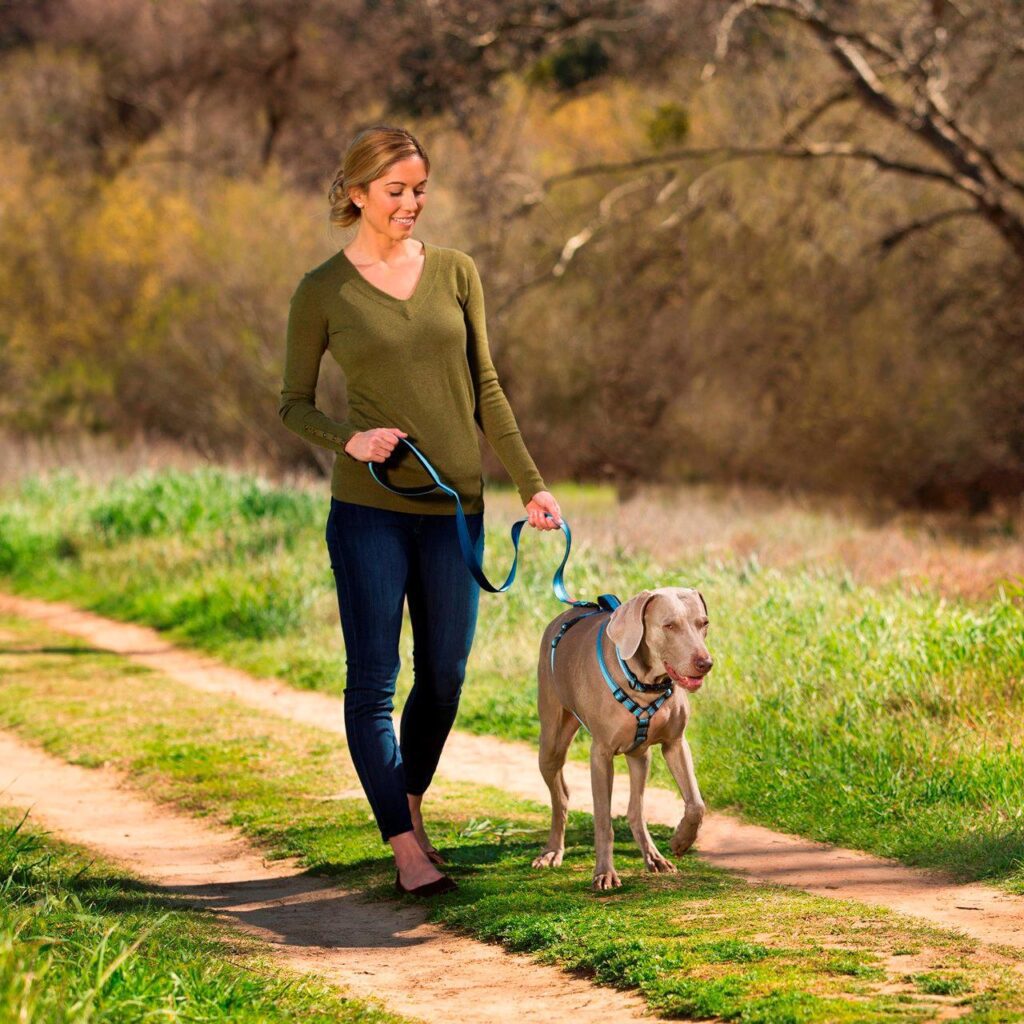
605,603
642,712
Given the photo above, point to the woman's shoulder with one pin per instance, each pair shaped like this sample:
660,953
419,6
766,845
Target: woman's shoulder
330,268
311,286
451,257
460,268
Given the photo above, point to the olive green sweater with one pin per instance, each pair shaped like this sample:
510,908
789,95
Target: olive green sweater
421,364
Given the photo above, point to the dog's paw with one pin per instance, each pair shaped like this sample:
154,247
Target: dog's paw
549,859
660,865
681,843
607,880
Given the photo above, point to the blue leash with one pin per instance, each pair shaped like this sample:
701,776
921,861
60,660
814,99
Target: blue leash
605,602
468,554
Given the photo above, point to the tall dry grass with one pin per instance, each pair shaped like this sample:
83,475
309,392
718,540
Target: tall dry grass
956,555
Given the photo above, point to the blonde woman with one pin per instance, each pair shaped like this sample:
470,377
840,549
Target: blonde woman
405,320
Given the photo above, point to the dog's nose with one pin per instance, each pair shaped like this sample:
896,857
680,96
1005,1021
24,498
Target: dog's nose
703,665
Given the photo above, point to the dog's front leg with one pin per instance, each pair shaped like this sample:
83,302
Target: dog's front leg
601,776
639,769
680,764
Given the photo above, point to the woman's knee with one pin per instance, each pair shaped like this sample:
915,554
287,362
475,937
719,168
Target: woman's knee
370,688
440,684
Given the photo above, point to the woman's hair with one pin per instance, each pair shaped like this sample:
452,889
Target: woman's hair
369,155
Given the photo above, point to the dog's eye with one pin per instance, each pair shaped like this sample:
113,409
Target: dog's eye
668,625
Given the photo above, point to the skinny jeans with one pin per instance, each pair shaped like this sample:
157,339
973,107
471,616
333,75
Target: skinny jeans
380,559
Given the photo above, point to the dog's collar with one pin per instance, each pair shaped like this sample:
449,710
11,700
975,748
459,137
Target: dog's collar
630,675
635,683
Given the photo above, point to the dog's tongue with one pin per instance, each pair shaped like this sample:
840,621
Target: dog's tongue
690,683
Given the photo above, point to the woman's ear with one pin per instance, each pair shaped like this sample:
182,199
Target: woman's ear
626,626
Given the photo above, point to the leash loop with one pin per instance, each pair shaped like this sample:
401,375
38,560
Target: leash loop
465,542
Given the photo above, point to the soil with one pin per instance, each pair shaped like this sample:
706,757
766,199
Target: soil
382,950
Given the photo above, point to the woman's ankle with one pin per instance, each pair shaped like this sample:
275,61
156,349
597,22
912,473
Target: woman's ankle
414,867
409,852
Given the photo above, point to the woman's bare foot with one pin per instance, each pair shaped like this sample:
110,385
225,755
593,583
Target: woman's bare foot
414,867
433,854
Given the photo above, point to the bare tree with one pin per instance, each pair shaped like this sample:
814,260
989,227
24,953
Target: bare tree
909,76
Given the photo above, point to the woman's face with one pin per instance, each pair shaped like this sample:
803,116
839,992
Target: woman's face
396,198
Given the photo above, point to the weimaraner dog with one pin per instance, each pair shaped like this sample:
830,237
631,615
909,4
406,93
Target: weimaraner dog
660,635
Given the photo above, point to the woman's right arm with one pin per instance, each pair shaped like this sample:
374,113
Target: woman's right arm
305,345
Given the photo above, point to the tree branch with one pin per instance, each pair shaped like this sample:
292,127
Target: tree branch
889,242
975,168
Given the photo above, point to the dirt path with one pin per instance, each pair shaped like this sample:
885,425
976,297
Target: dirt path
313,926
758,853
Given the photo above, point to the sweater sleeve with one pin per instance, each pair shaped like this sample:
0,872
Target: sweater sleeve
493,413
306,343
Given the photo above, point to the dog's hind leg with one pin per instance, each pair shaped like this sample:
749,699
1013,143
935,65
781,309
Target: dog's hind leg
557,729
639,768
680,764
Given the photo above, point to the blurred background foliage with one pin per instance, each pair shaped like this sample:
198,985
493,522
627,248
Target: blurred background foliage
765,274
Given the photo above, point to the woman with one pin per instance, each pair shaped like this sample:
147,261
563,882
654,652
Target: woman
405,319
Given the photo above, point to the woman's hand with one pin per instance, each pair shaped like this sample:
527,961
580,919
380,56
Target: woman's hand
541,502
374,445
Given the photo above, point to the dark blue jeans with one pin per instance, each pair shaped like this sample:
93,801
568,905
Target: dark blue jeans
380,558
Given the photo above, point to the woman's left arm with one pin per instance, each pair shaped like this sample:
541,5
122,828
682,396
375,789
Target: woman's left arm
495,416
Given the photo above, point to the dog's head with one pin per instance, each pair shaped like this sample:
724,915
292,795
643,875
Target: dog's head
672,624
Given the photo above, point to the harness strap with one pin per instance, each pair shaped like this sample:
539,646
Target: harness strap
642,712
562,631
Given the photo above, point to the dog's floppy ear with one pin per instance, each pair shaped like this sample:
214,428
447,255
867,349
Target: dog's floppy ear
626,626
702,601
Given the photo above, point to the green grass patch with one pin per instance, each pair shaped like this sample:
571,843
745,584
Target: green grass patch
936,984
702,943
81,941
877,718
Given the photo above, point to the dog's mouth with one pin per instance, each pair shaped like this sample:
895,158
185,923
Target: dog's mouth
691,683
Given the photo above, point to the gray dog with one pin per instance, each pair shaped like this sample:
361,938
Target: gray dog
660,636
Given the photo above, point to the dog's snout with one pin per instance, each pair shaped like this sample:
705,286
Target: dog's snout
703,665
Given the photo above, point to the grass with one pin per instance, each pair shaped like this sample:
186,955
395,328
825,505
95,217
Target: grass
882,717
699,944
81,941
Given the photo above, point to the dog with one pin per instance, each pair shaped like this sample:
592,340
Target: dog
661,636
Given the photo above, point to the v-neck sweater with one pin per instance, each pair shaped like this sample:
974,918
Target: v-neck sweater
421,364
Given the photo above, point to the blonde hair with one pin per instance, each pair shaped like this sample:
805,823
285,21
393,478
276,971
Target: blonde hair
369,156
